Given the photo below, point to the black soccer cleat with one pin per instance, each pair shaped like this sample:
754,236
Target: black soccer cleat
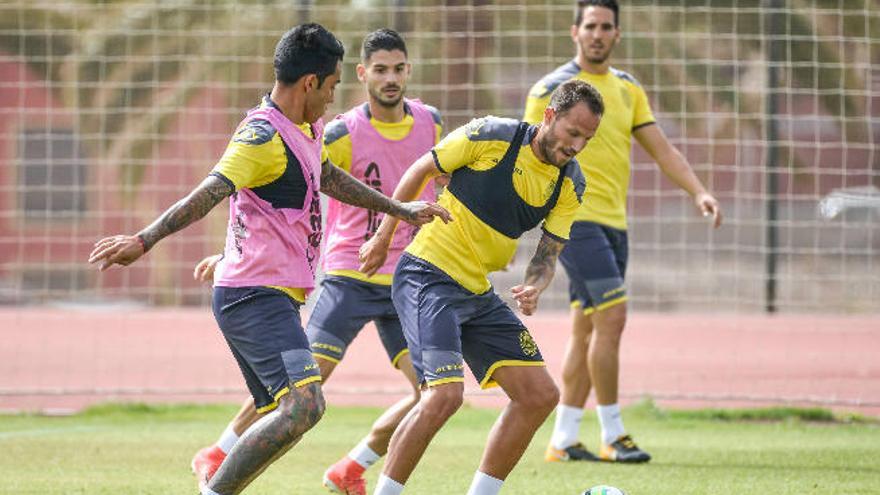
623,450
576,452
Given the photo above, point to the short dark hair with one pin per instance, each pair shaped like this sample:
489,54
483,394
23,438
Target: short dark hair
608,4
307,49
382,39
575,91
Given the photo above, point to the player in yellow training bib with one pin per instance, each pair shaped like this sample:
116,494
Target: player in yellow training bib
596,257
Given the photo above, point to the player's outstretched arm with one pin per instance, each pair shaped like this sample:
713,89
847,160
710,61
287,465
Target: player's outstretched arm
675,166
374,251
126,249
337,184
539,273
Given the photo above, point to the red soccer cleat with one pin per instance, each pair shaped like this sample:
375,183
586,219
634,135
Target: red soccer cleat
346,477
205,463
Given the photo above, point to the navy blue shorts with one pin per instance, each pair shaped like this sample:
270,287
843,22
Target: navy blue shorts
595,260
344,306
446,325
263,329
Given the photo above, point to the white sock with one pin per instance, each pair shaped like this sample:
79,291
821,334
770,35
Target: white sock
208,491
363,454
484,484
567,426
611,422
227,439
387,486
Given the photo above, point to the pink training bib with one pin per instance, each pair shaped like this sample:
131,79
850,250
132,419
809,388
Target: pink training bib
380,163
276,246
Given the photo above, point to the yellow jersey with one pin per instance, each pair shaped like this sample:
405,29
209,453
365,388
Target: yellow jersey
606,159
482,238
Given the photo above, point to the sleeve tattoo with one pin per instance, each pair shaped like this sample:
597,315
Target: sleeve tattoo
338,184
543,263
193,207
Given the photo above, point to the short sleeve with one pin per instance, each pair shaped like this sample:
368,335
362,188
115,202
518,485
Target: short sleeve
438,122
337,143
457,150
252,159
559,220
642,114
536,103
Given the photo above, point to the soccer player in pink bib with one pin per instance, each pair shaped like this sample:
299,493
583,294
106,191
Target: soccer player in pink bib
272,171
375,142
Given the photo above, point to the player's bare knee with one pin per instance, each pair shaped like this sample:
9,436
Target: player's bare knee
439,403
540,400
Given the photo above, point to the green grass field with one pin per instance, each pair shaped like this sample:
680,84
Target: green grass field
146,450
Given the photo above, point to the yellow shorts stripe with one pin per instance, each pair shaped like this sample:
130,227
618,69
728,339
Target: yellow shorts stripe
443,381
488,382
326,357
398,356
575,304
269,407
286,390
605,305
306,381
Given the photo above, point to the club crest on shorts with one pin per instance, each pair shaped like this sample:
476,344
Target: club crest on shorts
527,343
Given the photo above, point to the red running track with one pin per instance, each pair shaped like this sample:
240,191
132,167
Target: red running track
61,360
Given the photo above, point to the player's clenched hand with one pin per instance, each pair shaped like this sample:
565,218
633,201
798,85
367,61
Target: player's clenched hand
119,249
372,254
526,297
204,271
708,205
422,212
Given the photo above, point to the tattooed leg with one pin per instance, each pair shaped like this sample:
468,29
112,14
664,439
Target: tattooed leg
269,438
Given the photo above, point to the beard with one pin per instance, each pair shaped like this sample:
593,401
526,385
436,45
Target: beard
547,145
601,58
383,100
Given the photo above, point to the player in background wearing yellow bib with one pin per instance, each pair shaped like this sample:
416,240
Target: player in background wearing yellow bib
595,257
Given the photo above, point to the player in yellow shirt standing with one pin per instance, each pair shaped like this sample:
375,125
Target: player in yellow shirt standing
374,142
506,177
596,257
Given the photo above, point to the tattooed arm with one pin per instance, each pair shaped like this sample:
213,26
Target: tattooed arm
373,252
539,273
126,249
338,184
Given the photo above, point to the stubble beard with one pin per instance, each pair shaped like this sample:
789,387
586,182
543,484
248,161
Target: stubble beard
600,59
546,146
379,98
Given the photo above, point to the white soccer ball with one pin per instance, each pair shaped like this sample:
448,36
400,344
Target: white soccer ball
604,490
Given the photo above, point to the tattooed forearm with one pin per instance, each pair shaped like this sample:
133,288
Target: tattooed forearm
269,438
196,205
542,266
342,186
